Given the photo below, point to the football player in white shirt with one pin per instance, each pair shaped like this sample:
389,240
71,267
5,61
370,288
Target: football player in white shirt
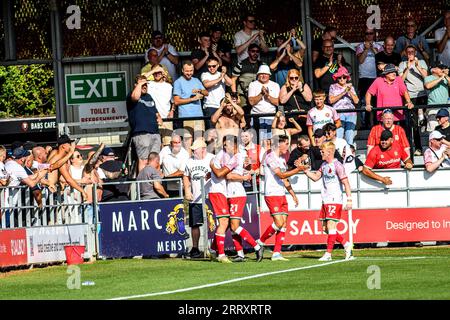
333,177
275,179
222,164
237,199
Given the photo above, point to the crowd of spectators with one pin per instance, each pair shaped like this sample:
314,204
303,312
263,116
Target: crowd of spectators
172,114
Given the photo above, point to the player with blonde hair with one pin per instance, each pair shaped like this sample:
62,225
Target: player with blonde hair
334,178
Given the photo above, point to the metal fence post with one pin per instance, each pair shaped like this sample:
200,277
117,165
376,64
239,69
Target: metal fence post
204,238
96,222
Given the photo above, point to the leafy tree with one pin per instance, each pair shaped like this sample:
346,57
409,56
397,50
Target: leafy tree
26,91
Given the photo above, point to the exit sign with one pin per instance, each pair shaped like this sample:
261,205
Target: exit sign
91,88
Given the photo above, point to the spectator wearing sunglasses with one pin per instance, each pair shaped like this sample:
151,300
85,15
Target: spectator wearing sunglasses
411,37
214,80
200,55
247,36
343,96
296,95
365,53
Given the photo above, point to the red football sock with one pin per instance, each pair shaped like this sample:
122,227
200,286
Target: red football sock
279,240
246,236
220,240
237,241
270,231
330,242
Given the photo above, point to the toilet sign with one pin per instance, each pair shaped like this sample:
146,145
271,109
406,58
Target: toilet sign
100,97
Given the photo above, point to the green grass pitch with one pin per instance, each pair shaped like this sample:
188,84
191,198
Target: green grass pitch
405,273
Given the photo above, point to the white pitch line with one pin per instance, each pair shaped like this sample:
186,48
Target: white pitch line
225,282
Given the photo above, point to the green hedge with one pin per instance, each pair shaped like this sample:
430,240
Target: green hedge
26,91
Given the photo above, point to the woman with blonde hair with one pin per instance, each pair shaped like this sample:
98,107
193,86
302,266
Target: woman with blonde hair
296,95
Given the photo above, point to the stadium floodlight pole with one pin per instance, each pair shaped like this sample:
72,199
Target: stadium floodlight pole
205,224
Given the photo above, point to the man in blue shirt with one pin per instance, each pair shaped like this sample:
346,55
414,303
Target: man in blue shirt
144,120
187,93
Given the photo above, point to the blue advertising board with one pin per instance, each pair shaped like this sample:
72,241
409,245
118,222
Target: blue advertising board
142,228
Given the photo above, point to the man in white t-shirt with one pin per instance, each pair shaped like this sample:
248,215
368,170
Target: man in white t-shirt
214,81
437,155
18,175
263,96
173,159
167,55
320,115
161,92
248,35
442,37
197,167
275,183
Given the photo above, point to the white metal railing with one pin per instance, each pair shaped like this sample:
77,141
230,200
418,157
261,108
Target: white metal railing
410,189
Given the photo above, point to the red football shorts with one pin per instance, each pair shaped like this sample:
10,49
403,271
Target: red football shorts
237,206
220,205
277,204
331,211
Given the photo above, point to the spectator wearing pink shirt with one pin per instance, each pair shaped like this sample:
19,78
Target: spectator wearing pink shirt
390,89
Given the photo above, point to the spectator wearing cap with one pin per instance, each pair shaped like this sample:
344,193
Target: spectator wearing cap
148,70
437,155
387,56
390,90
442,37
437,85
411,37
387,123
413,71
197,167
263,96
161,91
444,125
343,96
16,170
144,120
301,151
114,171
151,189
247,36
188,92
320,114
220,45
167,55
173,159
200,55
386,155
243,73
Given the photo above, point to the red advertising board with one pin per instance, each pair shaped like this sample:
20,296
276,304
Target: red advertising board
13,247
369,225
